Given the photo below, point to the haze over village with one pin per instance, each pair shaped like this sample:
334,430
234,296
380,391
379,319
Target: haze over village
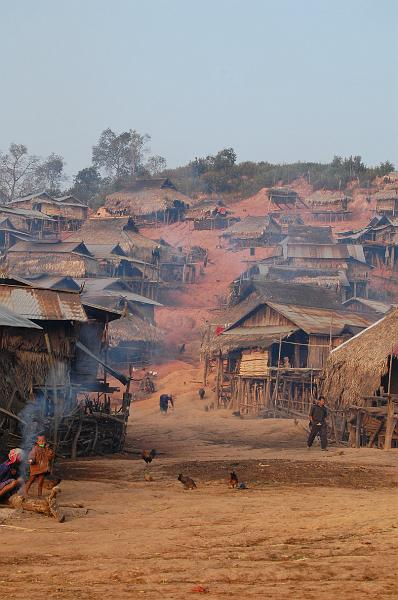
198,300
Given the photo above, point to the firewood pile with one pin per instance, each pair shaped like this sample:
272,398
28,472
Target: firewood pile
78,434
47,506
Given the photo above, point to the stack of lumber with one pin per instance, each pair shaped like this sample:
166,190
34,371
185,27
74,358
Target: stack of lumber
254,363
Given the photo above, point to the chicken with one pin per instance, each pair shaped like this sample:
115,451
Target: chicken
187,482
148,456
233,480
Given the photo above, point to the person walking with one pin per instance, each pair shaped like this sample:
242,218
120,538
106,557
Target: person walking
318,425
164,403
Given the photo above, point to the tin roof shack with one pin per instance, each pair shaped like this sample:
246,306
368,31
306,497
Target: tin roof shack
149,201
252,232
341,257
68,213
120,231
379,240
134,338
43,373
114,262
52,258
115,293
329,207
361,384
387,203
26,221
270,356
210,214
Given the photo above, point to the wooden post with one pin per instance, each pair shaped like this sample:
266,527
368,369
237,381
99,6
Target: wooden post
358,429
334,428
218,378
205,369
390,424
277,375
351,429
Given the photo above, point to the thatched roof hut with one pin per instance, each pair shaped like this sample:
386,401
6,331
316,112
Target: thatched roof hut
356,368
156,198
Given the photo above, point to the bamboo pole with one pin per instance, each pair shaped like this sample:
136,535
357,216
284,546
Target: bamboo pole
277,375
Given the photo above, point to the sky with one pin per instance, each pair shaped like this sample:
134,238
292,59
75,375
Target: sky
278,80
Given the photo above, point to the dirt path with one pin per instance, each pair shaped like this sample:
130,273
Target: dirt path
309,525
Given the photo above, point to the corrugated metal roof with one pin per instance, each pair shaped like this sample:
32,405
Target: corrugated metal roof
8,318
42,304
325,251
321,321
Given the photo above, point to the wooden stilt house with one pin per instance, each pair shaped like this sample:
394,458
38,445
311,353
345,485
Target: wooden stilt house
274,345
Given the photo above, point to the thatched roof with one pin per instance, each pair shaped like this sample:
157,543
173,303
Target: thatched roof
325,197
354,369
132,329
386,195
147,197
251,227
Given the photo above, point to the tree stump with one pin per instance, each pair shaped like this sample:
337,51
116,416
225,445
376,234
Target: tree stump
45,506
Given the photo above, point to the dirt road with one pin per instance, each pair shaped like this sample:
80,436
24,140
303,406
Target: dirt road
309,525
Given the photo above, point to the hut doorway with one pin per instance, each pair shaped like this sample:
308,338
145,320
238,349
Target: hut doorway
394,377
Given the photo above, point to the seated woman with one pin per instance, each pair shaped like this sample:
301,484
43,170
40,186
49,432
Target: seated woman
9,473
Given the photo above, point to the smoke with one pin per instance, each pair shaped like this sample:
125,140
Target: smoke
41,415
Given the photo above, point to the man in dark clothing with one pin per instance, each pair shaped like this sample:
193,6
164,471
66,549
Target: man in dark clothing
318,426
164,403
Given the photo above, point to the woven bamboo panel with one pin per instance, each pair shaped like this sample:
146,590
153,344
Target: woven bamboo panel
254,363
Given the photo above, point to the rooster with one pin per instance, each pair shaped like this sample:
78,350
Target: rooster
148,456
187,482
233,480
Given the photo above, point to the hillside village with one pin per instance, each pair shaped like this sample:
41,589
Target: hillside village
258,291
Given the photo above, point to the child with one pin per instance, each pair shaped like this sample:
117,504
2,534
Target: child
40,458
